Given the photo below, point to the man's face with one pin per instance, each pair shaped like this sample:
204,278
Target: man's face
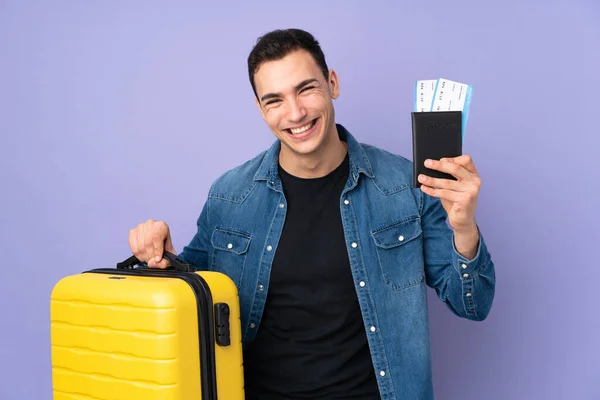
296,102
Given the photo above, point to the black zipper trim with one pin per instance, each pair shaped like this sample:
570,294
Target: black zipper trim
205,319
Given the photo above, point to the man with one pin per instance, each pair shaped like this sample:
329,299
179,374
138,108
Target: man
330,246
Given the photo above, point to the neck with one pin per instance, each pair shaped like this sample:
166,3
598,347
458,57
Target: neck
317,164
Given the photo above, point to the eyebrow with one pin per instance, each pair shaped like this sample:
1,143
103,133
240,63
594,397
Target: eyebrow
297,87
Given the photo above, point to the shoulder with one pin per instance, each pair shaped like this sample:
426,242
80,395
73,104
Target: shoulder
392,172
236,183
379,157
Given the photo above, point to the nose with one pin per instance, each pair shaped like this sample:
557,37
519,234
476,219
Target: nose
296,111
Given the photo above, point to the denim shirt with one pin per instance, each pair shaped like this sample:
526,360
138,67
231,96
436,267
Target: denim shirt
398,243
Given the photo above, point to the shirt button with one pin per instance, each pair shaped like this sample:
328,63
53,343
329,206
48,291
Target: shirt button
401,238
261,287
465,276
469,295
362,284
346,202
229,246
464,266
252,325
281,205
373,329
269,248
354,245
382,373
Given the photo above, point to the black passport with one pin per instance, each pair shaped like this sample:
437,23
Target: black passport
435,135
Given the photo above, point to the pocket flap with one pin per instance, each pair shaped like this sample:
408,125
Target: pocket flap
398,233
229,240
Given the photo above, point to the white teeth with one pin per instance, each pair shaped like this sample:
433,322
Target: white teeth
302,129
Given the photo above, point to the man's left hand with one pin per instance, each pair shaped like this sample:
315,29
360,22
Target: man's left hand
459,198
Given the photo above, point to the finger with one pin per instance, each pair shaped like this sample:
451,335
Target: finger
464,160
442,183
446,194
473,176
451,168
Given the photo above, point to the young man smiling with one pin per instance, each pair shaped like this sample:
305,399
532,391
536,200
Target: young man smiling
330,246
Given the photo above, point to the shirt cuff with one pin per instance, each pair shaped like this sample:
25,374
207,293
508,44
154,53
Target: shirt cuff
465,266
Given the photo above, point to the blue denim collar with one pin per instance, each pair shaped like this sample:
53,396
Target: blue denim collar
359,161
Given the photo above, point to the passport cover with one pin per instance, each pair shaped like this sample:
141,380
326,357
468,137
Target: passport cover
435,135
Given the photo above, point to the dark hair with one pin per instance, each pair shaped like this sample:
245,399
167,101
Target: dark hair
277,44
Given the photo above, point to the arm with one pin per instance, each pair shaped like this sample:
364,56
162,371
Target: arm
466,241
149,240
196,252
465,284
458,265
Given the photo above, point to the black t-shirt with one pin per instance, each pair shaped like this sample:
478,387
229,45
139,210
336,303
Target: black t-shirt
311,342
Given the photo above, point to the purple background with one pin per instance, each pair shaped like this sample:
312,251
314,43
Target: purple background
114,112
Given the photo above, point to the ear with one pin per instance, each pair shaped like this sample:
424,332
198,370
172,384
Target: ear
334,85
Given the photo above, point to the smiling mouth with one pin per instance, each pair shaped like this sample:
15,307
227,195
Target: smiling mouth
302,129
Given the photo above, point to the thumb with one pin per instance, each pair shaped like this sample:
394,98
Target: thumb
161,241
162,264
159,261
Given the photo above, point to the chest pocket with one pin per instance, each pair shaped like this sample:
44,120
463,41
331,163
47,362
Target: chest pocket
400,253
230,252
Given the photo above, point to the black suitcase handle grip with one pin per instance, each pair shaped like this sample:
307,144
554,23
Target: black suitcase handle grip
176,263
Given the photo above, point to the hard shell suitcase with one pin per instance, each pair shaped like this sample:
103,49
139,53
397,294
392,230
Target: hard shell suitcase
130,333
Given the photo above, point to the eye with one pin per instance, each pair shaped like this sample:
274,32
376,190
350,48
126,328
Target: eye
307,88
270,102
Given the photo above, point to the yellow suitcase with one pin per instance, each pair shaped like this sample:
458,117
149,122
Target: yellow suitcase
130,333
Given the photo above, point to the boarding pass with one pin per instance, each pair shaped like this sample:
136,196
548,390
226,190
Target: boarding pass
443,95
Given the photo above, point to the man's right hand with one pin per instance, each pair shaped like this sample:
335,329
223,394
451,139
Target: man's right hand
149,240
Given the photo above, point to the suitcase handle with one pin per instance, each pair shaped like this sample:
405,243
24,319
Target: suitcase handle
176,263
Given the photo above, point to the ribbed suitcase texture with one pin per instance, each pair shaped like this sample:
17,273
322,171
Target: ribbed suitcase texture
147,335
